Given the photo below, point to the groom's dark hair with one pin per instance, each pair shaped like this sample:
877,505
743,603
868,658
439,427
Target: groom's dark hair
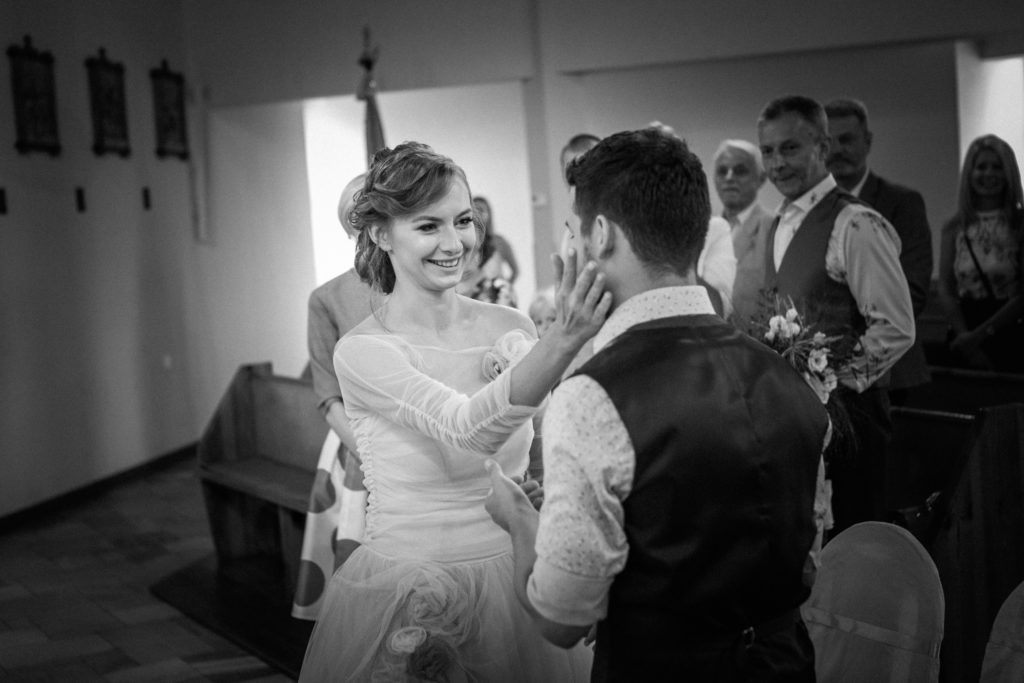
650,184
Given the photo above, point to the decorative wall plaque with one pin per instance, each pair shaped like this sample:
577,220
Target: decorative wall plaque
109,115
35,99
169,110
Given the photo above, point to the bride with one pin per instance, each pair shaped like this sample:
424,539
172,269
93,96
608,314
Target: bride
434,384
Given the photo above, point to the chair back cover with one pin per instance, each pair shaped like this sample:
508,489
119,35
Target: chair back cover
875,613
1004,654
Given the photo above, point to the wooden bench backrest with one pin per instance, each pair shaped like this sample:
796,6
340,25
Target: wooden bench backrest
287,424
266,415
927,452
957,390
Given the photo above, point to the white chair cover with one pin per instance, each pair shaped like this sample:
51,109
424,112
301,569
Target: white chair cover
1004,655
876,609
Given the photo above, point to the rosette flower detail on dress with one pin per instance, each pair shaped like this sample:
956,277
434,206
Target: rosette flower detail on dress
505,353
438,615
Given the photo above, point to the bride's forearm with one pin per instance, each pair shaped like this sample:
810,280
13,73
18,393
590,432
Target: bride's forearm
582,306
535,375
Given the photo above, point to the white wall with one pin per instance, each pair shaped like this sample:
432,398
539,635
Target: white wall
335,153
248,290
581,36
94,332
286,50
991,98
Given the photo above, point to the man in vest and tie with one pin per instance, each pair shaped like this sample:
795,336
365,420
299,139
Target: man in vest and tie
682,461
838,260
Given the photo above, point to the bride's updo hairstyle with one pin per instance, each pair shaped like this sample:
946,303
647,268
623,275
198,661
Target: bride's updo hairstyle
400,182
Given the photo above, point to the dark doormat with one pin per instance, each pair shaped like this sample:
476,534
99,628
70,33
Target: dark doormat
244,603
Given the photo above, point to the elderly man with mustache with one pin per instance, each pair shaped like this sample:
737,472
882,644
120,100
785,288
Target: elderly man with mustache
901,206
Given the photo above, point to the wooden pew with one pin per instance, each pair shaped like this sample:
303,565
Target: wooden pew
958,390
257,460
974,535
927,452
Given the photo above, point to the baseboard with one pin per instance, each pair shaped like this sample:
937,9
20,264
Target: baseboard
39,511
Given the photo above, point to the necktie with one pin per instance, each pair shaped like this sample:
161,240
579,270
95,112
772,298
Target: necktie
783,235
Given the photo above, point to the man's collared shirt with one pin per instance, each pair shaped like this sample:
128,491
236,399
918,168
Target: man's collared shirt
860,183
864,254
717,261
740,218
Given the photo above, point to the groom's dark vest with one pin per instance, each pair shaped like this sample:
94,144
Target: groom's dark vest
719,522
801,275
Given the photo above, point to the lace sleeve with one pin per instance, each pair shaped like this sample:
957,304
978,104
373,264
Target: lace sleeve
381,375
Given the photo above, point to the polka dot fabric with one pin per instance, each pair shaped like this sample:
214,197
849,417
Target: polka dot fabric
334,524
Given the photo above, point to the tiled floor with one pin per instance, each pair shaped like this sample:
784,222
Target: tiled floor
74,591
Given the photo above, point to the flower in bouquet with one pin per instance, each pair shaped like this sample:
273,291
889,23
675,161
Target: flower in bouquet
818,357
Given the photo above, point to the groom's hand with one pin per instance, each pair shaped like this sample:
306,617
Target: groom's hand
507,501
534,491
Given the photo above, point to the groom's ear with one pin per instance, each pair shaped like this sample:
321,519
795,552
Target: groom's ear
604,236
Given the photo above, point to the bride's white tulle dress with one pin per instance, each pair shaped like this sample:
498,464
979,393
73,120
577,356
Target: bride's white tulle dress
429,595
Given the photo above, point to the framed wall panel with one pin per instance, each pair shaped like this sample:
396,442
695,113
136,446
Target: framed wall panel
35,99
169,111
107,100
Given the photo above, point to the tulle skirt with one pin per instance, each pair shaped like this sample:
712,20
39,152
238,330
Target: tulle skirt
388,619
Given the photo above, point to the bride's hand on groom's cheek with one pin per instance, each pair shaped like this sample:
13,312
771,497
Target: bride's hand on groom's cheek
581,302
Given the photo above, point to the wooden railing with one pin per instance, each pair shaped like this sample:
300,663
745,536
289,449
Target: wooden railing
958,390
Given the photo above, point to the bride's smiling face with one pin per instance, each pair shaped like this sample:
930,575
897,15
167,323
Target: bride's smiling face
429,248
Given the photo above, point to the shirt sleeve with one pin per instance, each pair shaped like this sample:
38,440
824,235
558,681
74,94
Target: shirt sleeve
382,376
321,336
717,261
864,252
581,542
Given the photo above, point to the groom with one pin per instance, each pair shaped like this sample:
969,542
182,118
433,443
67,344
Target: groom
680,461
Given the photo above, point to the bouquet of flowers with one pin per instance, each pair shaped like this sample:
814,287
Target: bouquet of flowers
818,357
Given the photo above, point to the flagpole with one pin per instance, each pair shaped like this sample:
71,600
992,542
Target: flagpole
374,129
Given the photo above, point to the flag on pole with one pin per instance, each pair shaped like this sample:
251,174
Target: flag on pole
368,93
